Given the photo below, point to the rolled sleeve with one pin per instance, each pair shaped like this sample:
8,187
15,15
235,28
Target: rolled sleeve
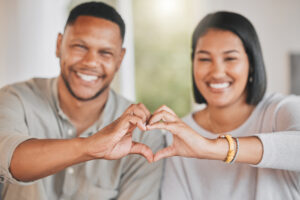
13,131
8,144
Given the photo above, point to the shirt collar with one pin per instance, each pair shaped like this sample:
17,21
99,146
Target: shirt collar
56,100
105,118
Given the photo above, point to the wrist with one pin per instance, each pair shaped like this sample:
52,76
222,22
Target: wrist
93,149
82,147
216,149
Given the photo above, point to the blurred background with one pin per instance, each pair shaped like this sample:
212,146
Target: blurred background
157,65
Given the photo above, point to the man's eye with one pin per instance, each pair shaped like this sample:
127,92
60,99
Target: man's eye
79,46
105,53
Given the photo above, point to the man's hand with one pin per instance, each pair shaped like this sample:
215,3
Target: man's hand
115,140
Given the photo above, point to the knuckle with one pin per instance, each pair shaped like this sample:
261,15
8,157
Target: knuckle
164,106
131,106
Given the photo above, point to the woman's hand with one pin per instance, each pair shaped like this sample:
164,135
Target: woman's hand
186,142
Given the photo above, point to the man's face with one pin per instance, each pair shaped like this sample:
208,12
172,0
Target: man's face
90,53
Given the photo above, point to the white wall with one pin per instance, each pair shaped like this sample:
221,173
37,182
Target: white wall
28,30
28,36
278,25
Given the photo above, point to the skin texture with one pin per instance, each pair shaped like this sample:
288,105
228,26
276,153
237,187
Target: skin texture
91,46
220,69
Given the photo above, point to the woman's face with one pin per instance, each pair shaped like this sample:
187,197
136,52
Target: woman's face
221,68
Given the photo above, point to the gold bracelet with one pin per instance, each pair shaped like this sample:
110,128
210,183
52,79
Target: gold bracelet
231,151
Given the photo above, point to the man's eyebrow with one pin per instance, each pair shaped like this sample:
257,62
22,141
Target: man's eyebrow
78,40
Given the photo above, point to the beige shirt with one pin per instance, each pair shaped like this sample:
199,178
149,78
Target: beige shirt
31,110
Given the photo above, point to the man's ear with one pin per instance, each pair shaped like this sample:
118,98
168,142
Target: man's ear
58,44
123,51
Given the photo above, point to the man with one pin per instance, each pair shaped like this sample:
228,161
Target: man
69,137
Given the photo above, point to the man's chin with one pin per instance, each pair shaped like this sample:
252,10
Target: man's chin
88,97
84,97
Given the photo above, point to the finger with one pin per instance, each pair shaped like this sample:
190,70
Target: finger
142,149
137,121
164,116
128,120
169,126
164,153
146,111
139,110
129,109
165,108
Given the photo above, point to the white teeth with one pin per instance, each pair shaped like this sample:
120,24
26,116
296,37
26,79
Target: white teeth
87,77
219,85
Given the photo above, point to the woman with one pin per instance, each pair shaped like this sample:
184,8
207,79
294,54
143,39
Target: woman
261,146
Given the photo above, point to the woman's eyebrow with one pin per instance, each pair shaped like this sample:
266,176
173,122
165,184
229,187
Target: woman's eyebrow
202,51
231,51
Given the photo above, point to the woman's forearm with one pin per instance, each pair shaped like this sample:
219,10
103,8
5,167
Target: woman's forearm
250,150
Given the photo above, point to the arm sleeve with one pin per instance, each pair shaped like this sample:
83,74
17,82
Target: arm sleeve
13,131
140,179
282,146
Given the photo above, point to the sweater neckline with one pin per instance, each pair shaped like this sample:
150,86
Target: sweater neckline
235,132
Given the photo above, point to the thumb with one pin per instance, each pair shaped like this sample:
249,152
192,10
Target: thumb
143,150
164,153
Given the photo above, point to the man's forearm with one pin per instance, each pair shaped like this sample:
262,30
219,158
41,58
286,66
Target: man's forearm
38,158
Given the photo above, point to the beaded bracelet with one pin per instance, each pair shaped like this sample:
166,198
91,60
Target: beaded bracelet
236,150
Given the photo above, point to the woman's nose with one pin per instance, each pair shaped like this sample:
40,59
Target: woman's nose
218,69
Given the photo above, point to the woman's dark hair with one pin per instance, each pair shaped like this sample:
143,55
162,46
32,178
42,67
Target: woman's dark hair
242,27
100,10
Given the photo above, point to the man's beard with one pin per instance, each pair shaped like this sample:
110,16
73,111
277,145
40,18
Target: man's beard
79,98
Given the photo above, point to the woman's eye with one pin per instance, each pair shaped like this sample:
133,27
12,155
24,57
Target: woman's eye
204,59
230,58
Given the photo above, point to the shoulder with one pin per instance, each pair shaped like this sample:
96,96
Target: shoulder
282,110
31,92
276,101
29,87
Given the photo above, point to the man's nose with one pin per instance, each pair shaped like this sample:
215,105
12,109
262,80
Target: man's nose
90,59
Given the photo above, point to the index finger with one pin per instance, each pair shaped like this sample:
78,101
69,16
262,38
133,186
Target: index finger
165,108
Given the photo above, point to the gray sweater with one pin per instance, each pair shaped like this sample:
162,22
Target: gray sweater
276,121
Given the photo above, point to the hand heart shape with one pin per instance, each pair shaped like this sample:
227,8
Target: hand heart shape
186,142
115,140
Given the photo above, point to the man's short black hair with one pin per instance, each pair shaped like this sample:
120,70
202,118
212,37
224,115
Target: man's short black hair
242,27
100,10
